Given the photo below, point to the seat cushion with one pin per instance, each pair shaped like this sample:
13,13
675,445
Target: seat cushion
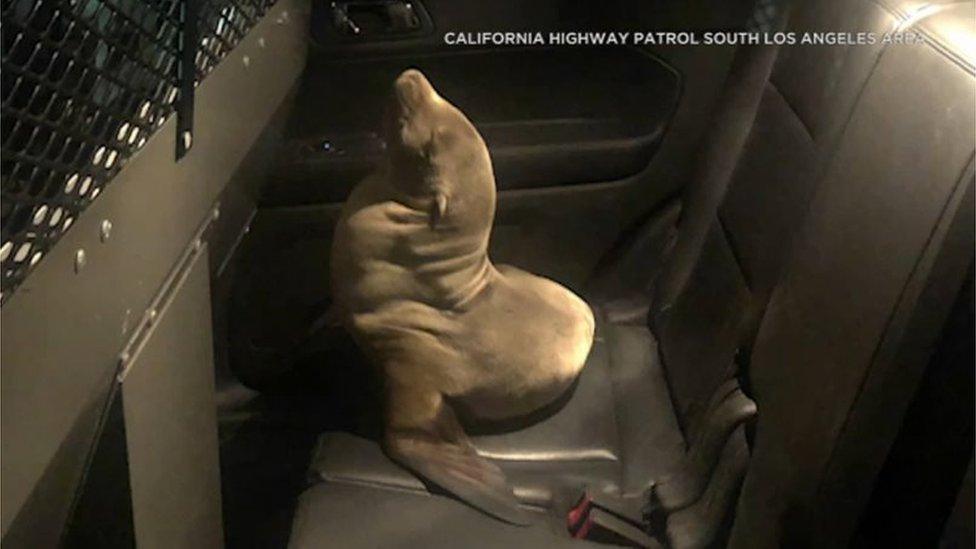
615,433
351,517
650,441
582,429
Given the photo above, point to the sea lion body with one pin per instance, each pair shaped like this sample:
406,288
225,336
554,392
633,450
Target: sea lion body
411,273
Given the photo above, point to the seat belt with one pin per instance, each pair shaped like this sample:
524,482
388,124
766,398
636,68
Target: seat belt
592,518
735,113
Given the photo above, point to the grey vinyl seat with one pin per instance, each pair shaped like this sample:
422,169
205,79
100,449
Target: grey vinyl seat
822,241
586,442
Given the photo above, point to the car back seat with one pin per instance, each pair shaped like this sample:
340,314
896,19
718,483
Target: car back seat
850,328
826,122
750,198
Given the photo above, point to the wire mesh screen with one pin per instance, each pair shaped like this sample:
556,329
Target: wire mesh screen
85,83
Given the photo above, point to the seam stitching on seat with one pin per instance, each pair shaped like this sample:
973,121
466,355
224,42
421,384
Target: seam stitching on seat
796,112
950,54
734,249
941,223
372,484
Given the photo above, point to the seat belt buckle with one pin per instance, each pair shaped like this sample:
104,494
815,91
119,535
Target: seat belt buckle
596,518
577,519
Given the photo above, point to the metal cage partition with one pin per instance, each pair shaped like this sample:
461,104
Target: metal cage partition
85,83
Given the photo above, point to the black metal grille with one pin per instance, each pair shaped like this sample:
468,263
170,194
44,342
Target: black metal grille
85,83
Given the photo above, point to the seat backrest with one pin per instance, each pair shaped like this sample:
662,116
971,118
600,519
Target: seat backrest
874,269
749,198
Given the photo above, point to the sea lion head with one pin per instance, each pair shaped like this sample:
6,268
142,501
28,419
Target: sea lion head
435,152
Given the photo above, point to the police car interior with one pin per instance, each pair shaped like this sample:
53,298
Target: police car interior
768,206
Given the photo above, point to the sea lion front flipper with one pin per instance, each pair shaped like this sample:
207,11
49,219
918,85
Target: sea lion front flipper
440,452
462,472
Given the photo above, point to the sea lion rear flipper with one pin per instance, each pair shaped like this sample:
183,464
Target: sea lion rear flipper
458,469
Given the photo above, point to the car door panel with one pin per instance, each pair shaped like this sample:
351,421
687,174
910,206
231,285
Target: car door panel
545,114
601,134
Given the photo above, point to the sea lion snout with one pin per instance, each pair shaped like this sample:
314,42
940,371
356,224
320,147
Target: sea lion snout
411,119
413,91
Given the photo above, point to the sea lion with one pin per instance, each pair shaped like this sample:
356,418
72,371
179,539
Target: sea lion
445,327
